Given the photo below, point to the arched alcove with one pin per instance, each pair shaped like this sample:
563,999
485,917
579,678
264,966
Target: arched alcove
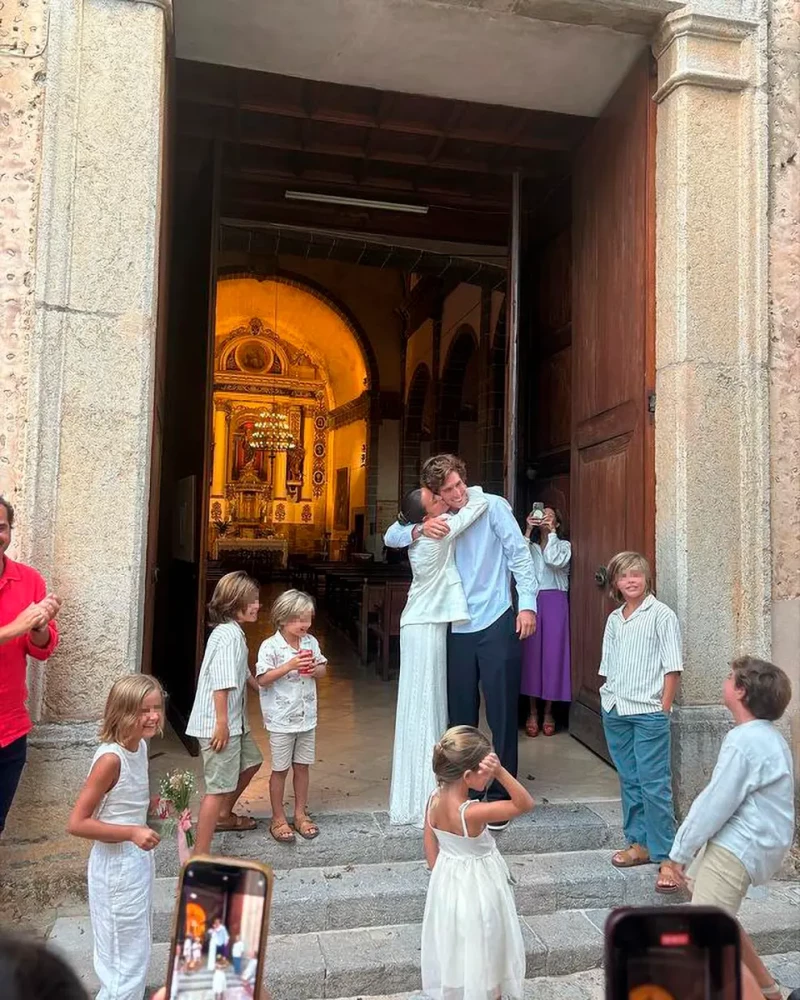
418,394
458,397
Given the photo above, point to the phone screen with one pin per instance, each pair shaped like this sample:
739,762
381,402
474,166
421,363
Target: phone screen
218,948
674,957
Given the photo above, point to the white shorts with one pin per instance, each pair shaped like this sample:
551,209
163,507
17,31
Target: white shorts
292,748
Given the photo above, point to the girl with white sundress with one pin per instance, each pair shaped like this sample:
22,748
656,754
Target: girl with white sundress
472,947
111,810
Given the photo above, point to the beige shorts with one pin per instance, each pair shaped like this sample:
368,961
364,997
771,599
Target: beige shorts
292,748
222,769
718,878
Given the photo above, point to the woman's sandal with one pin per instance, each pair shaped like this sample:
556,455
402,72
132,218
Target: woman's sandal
773,992
631,857
666,883
282,832
532,727
237,823
549,727
305,827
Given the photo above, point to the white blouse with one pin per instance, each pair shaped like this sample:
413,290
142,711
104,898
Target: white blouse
552,563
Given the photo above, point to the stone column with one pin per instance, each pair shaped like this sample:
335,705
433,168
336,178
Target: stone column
221,426
712,344
90,377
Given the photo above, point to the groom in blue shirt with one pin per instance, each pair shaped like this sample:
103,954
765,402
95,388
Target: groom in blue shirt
485,652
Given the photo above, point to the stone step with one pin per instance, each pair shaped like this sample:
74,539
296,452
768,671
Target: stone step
369,838
341,897
590,985
374,961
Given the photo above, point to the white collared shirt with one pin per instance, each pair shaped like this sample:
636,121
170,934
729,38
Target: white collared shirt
551,563
637,653
486,556
224,667
288,705
748,806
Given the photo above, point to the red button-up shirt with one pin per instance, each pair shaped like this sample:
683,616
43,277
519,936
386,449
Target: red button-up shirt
19,586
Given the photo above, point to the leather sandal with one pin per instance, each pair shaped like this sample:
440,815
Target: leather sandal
307,829
667,883
282,832
236,822
532,727
549,727
631,857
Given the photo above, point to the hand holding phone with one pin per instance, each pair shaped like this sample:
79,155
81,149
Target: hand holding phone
672,953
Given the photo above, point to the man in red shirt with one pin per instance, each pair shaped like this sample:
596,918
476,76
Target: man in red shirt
27,628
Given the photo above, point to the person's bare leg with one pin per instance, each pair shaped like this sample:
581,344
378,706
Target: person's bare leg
300,782
277,790
207,821
232,798
755,965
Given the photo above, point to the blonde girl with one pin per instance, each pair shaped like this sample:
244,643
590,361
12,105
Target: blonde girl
218,719
472,945
111,810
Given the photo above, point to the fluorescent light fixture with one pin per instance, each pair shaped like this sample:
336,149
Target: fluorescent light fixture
335,199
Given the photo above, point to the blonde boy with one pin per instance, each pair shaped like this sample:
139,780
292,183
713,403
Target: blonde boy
288,665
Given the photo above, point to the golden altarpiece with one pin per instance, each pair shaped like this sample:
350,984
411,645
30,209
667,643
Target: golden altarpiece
270,446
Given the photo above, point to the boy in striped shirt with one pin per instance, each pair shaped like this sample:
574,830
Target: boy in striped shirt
641,664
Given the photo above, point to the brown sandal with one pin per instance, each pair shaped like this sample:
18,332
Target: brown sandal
305,827
631,857
666,883
237,823
532,727
282,832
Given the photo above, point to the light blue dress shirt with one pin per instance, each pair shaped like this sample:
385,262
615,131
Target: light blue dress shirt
486,556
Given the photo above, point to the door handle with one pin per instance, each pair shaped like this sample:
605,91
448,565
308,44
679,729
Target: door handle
601,577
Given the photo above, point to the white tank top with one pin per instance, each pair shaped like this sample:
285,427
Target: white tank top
127,802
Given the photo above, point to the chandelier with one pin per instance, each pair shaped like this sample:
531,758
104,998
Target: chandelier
271,432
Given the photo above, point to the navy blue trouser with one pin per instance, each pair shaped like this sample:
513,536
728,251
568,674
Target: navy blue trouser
488,661
12,761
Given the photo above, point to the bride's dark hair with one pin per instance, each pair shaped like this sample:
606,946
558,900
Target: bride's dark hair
411,509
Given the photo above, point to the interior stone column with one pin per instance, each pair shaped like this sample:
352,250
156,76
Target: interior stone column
90,385
221,424
712,345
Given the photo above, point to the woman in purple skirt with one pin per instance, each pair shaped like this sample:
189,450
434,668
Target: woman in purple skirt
545,655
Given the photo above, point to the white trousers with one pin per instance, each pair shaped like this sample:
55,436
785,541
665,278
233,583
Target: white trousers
420,722
120,902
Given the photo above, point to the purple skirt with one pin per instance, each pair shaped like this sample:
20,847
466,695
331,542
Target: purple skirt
545,655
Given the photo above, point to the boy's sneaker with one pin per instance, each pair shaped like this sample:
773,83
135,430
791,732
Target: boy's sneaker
497,827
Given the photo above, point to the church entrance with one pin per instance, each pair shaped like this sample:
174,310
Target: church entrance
360,278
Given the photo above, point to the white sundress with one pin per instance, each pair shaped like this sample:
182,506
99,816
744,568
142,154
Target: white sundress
472,947
121,883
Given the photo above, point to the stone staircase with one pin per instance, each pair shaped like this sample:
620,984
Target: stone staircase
347,907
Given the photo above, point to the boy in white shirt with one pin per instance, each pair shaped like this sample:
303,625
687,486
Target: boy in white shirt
288,665
741,825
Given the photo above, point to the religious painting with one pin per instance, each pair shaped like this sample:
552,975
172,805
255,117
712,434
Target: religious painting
341,501
254,356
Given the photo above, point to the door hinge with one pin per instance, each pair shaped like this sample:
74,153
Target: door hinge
651,402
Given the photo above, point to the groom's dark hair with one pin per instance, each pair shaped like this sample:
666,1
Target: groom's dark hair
411,509
438,467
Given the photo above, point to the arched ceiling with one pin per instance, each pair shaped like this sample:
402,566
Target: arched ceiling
303,320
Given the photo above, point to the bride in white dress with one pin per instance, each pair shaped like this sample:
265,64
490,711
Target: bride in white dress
435,599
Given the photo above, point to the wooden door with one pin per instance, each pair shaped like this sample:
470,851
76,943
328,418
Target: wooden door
613,326
184,431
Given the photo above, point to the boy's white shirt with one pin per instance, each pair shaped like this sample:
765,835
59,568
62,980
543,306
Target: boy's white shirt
288,705
748,806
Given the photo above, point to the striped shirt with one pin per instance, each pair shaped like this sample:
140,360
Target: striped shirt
224,668
637,653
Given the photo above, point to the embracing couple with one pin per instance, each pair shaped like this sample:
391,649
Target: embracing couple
464,545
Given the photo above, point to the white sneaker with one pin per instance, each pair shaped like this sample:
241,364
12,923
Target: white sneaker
497,827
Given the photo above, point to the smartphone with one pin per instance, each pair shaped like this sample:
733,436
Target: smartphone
219,935
672,953
537,512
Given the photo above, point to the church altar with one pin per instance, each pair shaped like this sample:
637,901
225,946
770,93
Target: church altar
246,546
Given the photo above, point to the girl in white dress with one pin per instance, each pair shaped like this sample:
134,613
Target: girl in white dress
111,810
435,599
472,947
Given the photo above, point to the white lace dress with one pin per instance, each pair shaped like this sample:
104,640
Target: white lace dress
435,598
472,947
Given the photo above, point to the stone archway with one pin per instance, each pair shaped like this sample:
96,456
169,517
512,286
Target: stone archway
461,358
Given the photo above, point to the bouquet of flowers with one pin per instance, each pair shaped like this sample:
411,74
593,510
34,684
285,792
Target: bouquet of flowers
171,807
